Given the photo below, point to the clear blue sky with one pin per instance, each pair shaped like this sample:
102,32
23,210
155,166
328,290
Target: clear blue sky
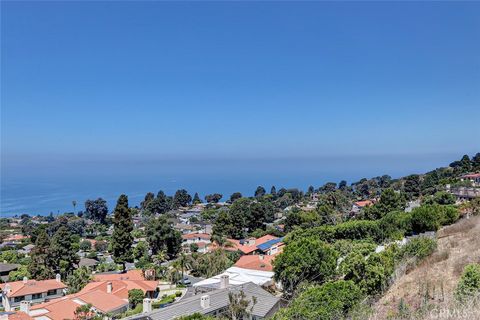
238,79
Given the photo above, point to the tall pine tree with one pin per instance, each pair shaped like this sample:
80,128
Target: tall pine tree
63,254
40,266
122,238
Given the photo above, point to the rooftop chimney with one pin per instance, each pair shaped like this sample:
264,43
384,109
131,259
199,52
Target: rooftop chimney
25,306
205,301
58,277
25,279
224,281
147,305
109,287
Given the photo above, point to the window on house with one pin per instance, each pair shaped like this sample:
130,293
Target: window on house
36,296
51,292
18,299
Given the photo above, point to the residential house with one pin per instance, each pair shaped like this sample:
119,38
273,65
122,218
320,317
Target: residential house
13,293
255,262
202,240
473,178
248,246
271,247
27,249
216,302
109,296
359,205
5,269
89,263
237,276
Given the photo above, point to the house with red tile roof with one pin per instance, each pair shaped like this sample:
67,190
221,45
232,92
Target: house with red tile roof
256,262
359,205
247,246
129,275
15,315
13,293
474,179
105,296
202,240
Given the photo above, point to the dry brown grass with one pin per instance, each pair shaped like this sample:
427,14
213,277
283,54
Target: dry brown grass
433,282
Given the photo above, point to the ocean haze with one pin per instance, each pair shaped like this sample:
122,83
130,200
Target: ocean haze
40,185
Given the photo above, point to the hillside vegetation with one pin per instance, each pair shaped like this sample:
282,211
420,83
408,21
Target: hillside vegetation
427,291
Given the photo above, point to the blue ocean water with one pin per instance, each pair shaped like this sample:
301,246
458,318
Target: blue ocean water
41,187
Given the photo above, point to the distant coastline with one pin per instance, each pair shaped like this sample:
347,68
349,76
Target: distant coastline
43,191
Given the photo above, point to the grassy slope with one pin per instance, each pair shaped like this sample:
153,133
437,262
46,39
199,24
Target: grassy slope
435,279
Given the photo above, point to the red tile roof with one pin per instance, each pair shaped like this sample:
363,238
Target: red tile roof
245,248
120,288
16,237
255,262
363,203
129,275
19,288
96,294
204,236
472,176
18,315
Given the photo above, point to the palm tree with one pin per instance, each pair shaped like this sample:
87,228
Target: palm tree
175,269
74,203
160,257
185,263
221,241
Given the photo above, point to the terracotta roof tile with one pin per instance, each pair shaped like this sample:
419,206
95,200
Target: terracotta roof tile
255,262
19,288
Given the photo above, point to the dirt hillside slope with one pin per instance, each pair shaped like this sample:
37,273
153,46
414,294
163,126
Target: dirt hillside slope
435,279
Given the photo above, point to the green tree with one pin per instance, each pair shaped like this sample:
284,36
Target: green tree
162,237
235,196
181,199
63,254
41,266
411,186
148,198
273,192
330,301
96,210
476,162
442,198
159,205
135,297
184,263
140,250
239,307
260,192
213,198
389,201
78,279
196,199
122,238
85,245
469,284
19,274
305,259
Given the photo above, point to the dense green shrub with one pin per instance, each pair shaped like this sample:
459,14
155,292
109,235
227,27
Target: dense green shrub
431,217
135,297
469,284
305,259
395,225
420,247
344,246
425,218
333,300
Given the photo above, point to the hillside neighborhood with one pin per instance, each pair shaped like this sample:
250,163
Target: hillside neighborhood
266,256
